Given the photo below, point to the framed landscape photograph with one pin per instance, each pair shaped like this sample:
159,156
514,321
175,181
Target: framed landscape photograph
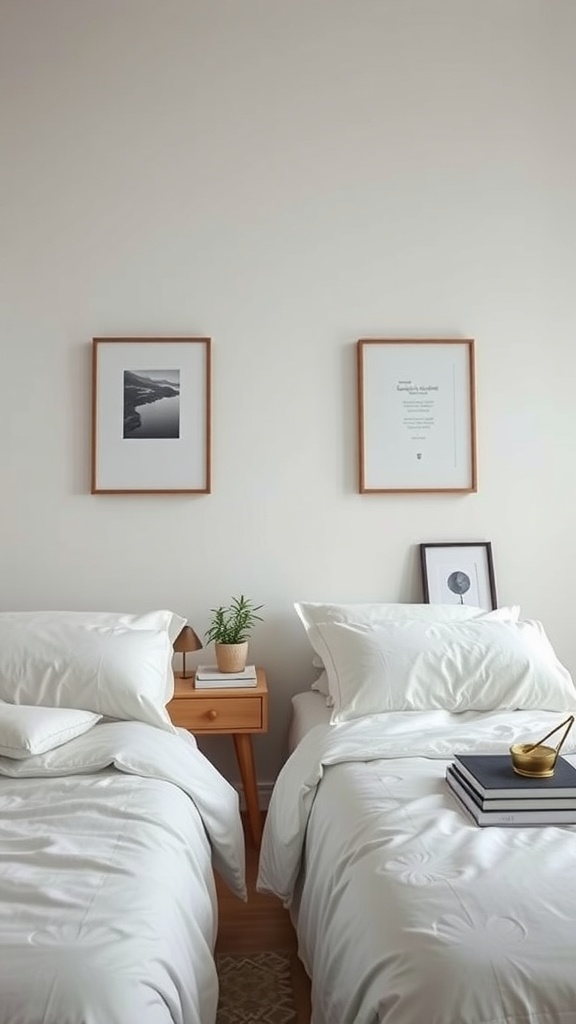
416,415
150,415
458,574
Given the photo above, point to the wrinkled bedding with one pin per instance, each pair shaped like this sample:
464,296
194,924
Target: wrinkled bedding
407,912
107,896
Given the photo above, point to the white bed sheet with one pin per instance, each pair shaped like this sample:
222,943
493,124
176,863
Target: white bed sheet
308,709
108,909
406,912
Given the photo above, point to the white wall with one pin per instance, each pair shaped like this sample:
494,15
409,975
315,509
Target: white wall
286,178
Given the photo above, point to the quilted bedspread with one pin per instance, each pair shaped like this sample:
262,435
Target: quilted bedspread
107,894
406,911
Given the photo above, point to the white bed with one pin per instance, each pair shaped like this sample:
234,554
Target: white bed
110,831
407,912
308,709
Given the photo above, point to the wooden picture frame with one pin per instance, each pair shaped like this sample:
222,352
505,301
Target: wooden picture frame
416,415
459,573
151,415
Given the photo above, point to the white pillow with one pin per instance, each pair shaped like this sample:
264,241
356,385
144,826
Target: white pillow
480,665
321,686
310,613
25,730
117,672
158,619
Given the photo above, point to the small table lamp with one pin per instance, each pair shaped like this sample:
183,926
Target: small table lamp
186,641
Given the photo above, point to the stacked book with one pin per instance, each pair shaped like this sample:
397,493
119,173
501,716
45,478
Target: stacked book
209,678
491,791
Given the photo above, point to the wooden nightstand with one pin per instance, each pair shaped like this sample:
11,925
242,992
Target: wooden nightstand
233,712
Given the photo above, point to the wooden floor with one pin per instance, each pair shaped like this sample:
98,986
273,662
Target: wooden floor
260,924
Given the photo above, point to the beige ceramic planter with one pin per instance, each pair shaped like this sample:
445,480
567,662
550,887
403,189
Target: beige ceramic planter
231,657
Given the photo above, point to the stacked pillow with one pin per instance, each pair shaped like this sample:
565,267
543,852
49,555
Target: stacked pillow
110,664
374,613
26,731
403,657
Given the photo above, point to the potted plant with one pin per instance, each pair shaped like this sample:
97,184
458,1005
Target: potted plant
230,629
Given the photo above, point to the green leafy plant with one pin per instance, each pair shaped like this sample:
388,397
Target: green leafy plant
234,623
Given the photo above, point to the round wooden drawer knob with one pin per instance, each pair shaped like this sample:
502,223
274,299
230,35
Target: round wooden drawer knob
212,715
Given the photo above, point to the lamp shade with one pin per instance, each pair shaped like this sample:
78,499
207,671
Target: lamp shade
186,641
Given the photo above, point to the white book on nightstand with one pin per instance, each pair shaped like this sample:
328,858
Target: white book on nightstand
208,678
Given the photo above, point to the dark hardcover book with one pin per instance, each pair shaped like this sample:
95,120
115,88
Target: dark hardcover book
523,803
493,777
516,819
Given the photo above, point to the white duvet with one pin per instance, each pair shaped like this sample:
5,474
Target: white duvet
407,912
107,897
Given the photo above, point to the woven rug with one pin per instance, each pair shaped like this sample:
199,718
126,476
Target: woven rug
255,989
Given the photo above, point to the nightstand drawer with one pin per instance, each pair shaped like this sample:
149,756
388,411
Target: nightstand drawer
203,714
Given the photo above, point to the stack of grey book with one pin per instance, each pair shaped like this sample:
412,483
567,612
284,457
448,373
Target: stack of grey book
209,678
492,793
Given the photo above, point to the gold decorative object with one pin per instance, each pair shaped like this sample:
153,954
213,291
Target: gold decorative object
536,760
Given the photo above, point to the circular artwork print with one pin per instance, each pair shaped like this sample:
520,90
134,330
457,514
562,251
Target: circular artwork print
459,583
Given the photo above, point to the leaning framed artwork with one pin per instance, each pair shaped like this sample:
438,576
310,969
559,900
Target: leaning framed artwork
458,573
151,415
416,415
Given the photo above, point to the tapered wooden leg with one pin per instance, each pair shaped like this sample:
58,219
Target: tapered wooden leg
245,756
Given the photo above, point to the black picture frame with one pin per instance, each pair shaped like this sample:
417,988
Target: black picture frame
459,572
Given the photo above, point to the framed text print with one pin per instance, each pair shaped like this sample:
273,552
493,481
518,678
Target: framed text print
150,415
458,573
416,412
